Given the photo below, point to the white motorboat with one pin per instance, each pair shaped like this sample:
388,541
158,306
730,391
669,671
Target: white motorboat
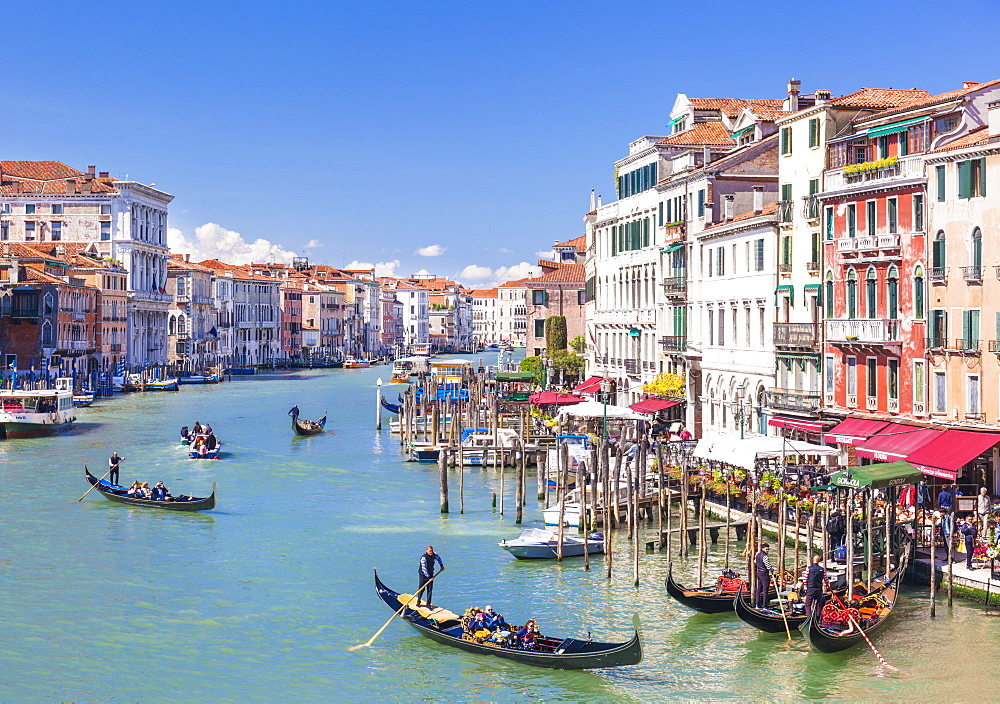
27,414
538,544
475,446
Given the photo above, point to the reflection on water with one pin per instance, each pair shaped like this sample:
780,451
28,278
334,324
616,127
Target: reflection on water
265,594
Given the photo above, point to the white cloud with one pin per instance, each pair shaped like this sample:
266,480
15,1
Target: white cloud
418,273
313,244
549,255
504,250
475,272
213,241
431,250
381,268
485,277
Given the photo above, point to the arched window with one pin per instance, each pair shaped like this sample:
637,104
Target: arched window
918,292
977,249
47,334
871,303
892,290
47,304
172,326
938,255
829,294
852,294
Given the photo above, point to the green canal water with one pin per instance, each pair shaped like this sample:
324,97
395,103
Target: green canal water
261,598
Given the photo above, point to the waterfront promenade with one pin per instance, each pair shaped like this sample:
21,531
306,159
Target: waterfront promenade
261,598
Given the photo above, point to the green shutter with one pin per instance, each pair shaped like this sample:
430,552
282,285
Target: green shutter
964,179
645,232
982,176
940,183
660,213
786,191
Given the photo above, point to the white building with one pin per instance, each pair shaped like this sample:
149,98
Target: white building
251,305
512,311
47,201
416,320
485,317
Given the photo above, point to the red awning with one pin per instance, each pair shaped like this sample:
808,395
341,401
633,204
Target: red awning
809,426
546,398
952,450
896,442
652,405
854,431
590,386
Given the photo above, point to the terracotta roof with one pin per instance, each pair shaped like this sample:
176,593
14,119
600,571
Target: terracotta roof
580,243
238,271
980,135
701,133
731,107
484,293
879,98
565,274
29,275
932,100
46,178
176,263
519,283
768,209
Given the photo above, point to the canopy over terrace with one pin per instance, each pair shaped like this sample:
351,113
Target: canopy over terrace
950,451
593,409
877,476
590,386
554,398
745,453
653,405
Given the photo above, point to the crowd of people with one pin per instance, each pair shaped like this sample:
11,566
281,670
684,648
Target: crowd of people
142,491
201,438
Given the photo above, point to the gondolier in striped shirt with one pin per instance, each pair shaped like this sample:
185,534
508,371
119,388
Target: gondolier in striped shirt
762,573
426,573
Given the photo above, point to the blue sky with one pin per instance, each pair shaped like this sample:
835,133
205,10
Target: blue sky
470,131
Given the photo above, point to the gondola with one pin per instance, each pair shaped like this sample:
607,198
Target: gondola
769,621
308,427
708,600
829,630
445,627
113,492
391,407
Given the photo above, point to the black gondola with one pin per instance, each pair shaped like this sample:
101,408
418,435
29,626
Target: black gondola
308,427
446,628
391,407
113,492
871,615
765,620
708,600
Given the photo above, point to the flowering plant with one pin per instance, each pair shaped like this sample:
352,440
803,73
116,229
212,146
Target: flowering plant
992,552
980,551
871,165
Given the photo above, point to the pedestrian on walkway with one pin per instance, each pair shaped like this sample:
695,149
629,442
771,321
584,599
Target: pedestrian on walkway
970,532
984,506
945,498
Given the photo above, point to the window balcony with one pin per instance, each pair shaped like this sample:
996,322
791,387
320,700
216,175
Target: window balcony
785,210
675,286
871,403
631,366
935,342
890,241
785,268
938,274
862,331
967,345
812,267
792,400
852,400
893,405
796,335
847,244
810,207
972,274
866,242
674,343
881,170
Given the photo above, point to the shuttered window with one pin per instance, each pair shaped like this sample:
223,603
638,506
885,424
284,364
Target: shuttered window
939,175
786,140
814,132
759,254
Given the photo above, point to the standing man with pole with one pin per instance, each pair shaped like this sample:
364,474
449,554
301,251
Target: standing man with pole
426,572
762,576
815,576
113,462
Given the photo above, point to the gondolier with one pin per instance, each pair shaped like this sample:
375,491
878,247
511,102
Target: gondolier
762,576
426,572
294,412
113,462
815,576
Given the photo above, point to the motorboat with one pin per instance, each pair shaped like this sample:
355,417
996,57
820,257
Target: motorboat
571,512
538,544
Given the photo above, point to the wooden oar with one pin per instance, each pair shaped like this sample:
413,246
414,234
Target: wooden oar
327,431
777,591
92,486
857,625
401,608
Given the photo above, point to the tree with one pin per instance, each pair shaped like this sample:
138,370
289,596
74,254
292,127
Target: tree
667,384
579,344
568,363
533,365
555,333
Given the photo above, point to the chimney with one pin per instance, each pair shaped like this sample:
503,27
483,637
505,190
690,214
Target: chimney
728,203
71,186
15,186
994,119
709,213
599,203
187,256
969,84
91,170
758,200
822,95
593,201
60,250
85,186
103,174
792,104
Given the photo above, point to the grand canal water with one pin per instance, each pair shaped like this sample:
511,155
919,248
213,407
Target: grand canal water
261,598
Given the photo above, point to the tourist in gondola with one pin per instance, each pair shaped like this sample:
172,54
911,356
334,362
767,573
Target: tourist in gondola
970,532
144,491
815,576
113,462
135,489
527,634
426,573
762,574
160,492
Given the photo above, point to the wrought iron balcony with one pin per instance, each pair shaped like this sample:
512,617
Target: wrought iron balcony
675,286
967,345
938,274
796,334
785,210
631,366
792,400
972,274
811,207
674,343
